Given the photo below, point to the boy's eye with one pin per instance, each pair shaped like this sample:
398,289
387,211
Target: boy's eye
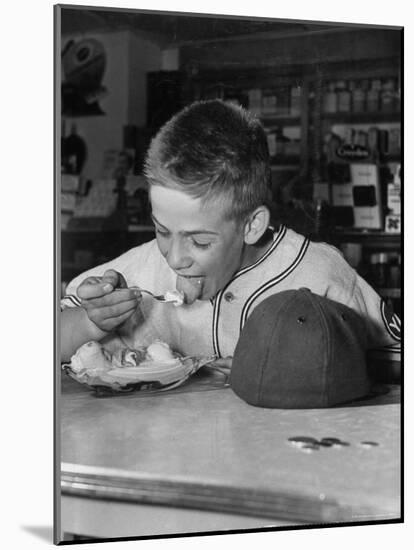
161,232
200,244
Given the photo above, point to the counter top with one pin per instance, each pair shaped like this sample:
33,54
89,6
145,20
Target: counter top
201,447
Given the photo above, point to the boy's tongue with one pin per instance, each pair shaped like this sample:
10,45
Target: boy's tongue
192,288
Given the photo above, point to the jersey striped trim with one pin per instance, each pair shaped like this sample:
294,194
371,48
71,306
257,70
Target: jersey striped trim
392,325
272,282
278,237
217,301
70,300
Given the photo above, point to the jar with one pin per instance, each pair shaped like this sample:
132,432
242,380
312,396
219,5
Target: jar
344,97
330,99
358,98
295,101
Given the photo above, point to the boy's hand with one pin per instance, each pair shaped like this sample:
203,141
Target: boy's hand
105,308
224,362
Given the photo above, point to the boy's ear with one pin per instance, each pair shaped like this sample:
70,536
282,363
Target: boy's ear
256,225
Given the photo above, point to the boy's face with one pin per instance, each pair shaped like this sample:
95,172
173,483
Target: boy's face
203,247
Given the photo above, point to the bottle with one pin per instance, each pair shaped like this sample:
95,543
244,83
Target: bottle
395,272
361,138
271,143
373,136
379,266
330,99
73,152
295,101
344,97
358,98
321,230
349,135
387,97
373,96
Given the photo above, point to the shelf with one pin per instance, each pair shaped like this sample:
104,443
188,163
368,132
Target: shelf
367,234
371,239
91,230
284,167
141,229
286,120
394,293
361,118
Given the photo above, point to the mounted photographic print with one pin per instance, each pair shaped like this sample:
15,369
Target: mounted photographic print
228,274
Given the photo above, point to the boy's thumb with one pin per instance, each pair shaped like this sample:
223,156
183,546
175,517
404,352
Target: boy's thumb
114,278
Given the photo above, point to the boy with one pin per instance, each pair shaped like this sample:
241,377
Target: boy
209,186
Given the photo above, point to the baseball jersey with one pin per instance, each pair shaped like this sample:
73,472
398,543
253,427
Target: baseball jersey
213,326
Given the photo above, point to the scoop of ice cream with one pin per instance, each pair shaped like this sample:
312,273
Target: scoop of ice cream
191,287
175,296
160,352
91,357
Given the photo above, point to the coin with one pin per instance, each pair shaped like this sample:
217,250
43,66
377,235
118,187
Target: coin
300,441
333,442
330,440
369,444
323,443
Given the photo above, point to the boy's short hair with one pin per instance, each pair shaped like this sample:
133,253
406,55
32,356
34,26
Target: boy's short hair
213,150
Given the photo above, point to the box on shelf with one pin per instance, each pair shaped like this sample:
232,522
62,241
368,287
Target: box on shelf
101,200
67,202
393,223
393,217
269,103
367,196
394,198
342,194
69,183
367,217
364,174
69,186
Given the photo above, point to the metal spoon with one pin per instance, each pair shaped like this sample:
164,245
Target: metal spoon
159,297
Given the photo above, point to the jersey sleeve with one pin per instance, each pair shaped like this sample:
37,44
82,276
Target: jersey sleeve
70,298
129,264
349,288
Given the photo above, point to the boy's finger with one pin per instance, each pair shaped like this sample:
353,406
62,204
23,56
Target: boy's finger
115,311
111,299
88,290
122,318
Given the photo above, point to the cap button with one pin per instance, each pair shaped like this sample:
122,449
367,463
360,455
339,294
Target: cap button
229,297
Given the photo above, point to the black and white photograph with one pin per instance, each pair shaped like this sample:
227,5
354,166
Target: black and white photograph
228,274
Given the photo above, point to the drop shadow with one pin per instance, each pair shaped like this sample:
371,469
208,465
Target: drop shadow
43,532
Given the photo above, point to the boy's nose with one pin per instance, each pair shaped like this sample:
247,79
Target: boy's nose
177,256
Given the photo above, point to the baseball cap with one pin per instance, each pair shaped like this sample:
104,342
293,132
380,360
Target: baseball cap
299,350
